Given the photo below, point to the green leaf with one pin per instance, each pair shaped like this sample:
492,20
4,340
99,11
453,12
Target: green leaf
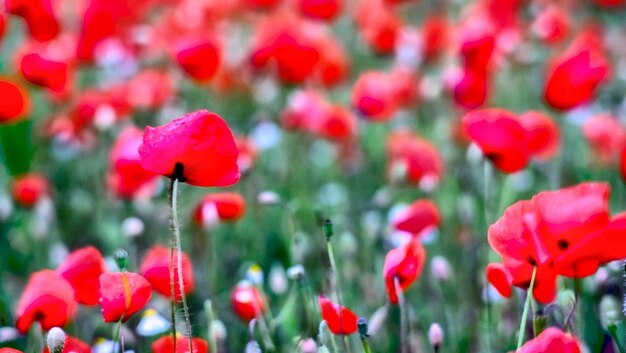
16,147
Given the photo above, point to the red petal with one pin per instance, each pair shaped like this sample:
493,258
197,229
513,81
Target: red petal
82,269
165,344
155,267
341,320
122,294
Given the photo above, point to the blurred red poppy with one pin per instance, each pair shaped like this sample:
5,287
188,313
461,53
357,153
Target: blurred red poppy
150,89
378,25
42,72
17,102
155,267
320,9
126,177
338,124
404,263
101,20
82,269
551,340
224,206
28,189
165,344
470,91
420,215
551,24
606,138
48,298
247,153
199,59
39,16
373,95
247,302
122,294
340,320
436,34
71,345
197,148
542,133
418,160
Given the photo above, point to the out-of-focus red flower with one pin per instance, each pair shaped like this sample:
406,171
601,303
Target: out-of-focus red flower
566,232
199,59
320,9
126,177
82,270
470,91
150,89
303,111
197,148
47,298
262,3
101,20
247,153
9,350
338,124
122,294
155,267
436,36
551,25
224,206
39,16
333,65
404,263
247,301
503,13
623,164
340,320
542,132
88,108
71,345
16,103
2,26
373,95
28,189
419,160
610,3
420,215
551,340
606,138
573,76
165,344
43,72
378,25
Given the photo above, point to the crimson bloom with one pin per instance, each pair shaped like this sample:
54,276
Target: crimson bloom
199,59
43,72
374,96
551,24
39,16
320,9
542,132
404,263
378,25
71,345
47,298
566,232
197,148
551,340
340,320
419,160
247,302
221,206
15,102
155,267
82,269
122,294
606,138
165,344
419,216
28,189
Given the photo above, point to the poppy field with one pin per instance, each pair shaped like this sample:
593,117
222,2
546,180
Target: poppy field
312,176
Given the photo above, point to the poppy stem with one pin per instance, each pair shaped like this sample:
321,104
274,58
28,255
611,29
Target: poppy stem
210,314
529,294
403,324
116,336
333,268
179,263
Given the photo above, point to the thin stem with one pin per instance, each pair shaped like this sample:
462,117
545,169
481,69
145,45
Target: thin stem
179,263
613,332
522,327
333,268
172,297
208,307
403,324
366,345
116,336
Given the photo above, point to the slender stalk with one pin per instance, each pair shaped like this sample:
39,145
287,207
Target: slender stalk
403,324
366,345
522,327
116,336
333,268
208,307
179,263
172,296
613,332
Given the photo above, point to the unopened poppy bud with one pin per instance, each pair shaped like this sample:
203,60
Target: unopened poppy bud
295,272
308,345
55,340
566,300
278,280
435,336
540,322
218,330
121,259
362,327
609,311
328,229
268,198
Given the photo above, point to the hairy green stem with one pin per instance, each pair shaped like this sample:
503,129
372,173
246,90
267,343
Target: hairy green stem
403,323
529,295
333,268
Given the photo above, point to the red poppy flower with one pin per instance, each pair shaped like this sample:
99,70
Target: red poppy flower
542,134
199,59
39,16
82,269
551,340
16,103
126,177
9,350
304,110
43,72
262,3
101,20
606,138
122,294
551,25
71,345
247,301
2,26
470,91
333,65
500,136
420,160
338,124
420,215
378,25
320,9
573,76
47,298
436,36
404,263
165,344
623,164
150,89
155,267
373,95
226,206
28,189
247,153
197,148
340,320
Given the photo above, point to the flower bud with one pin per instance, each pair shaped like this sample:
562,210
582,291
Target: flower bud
328,229
121,259
55,340
435,335
610,311
308,345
